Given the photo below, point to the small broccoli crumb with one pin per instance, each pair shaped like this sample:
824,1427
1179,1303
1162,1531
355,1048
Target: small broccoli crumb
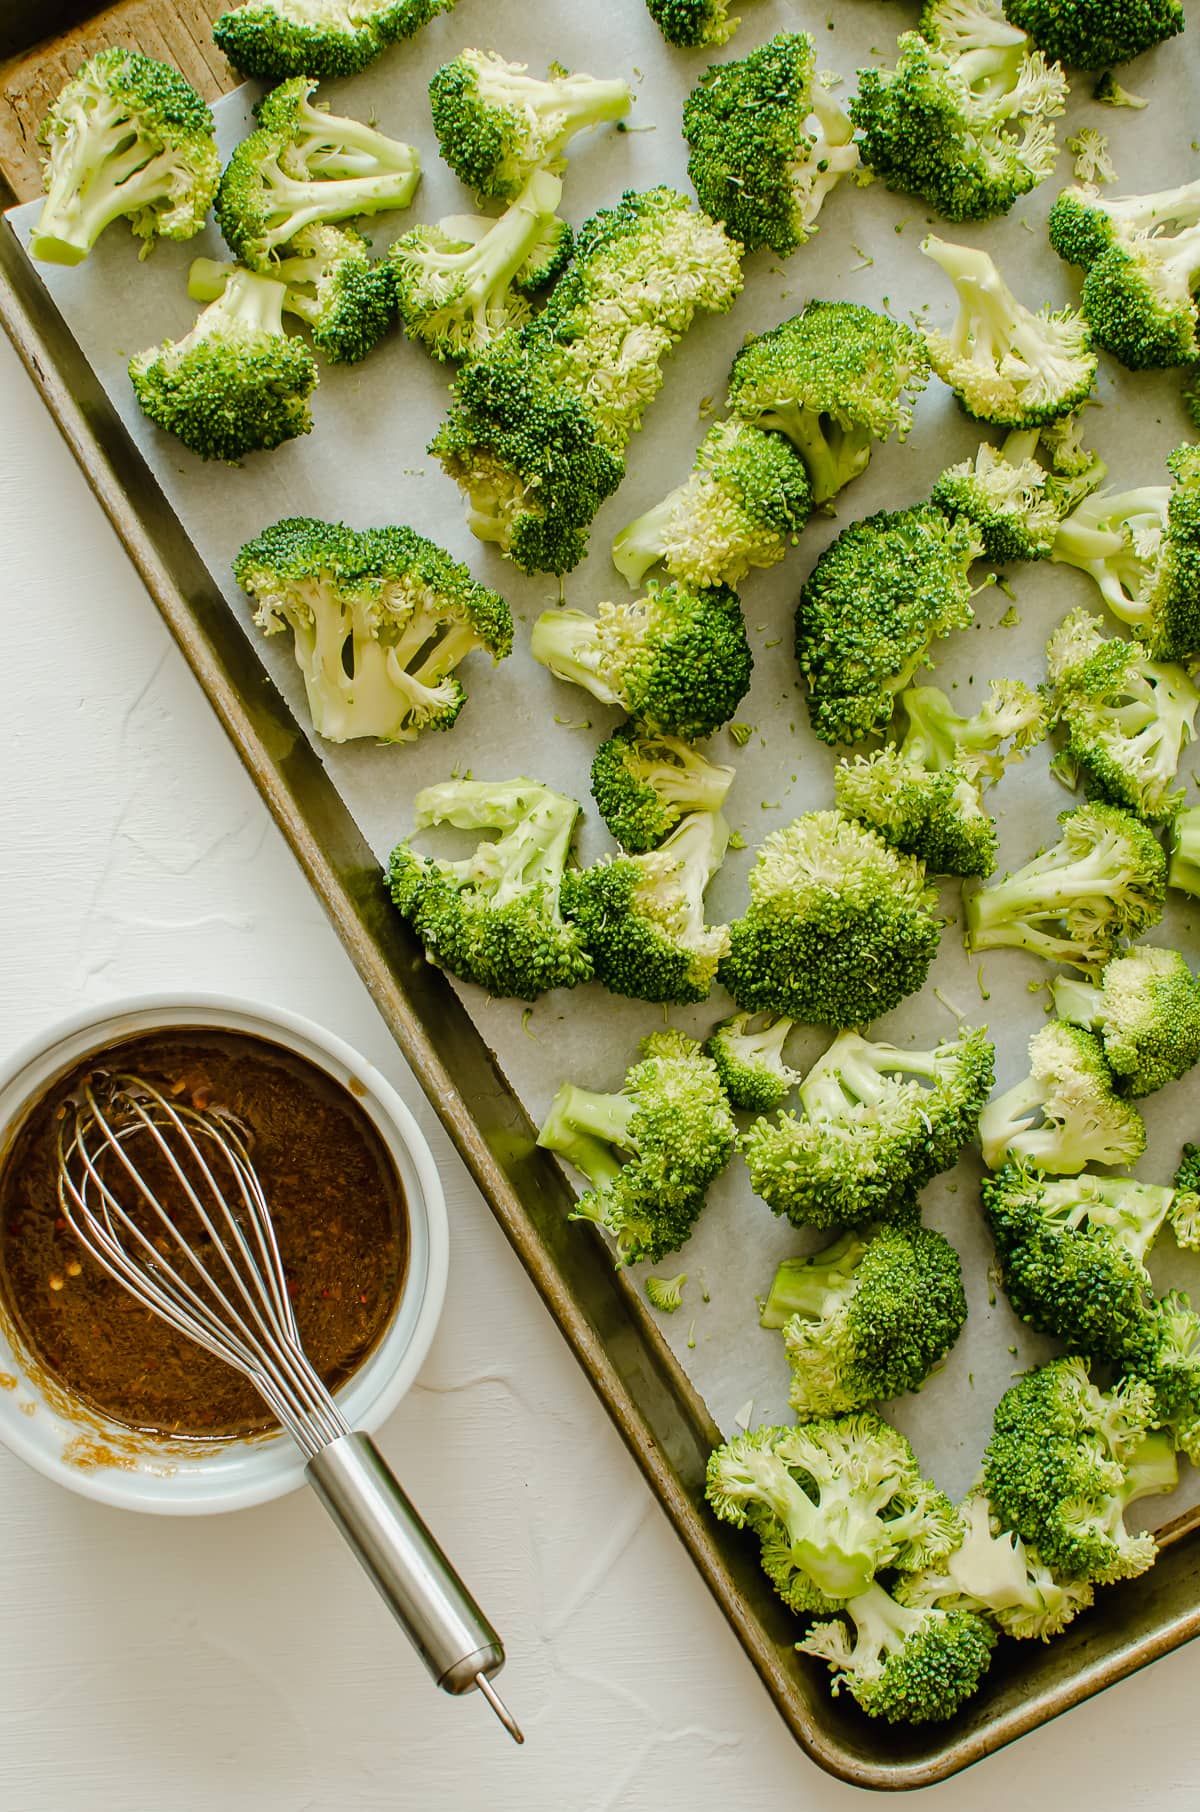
691,1339
1093,162
741,733
666,1293
984,993
526,1016
1012,616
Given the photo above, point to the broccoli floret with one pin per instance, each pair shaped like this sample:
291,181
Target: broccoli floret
1184,870
539,423
693,24
381,618
750,1063
1169,1361
870,610
833,1503
1066,1113
964,120
304,165
273,39
332,286
1013,501
1092,34
834,379
1103,882
876,1124
678,660
644,784
1084,223
1146,1009
746,500
497,125
642,917
994,1573
909,1664
238,383
1142,549
1109,92
496,917
867,1318
666,1293
1142,258
1005,364
1066,1460
1128,719
840,928
456,292
767,143
672,1126
1184,1213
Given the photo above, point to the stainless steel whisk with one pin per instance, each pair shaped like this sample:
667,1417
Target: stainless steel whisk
233,1300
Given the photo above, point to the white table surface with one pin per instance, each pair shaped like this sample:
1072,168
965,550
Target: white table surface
241,1662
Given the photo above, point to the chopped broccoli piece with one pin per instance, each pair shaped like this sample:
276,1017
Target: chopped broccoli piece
495,918
644,784
332,286
767,143
750,1063
1103,882
939,738
693,24
1128,719
497,125
909,1664
1005,364
832,1502
302,166
1013,502
1109,92
840,928
747,498
1092,34
1066,1113
273,39
1169,1361
1141,254
876,1124
126,136
1184,869
1146,1009
1066,1460
642,917
835,378
1093,161
672,1121
874,603
678,660
238,383
666,1293
867,1318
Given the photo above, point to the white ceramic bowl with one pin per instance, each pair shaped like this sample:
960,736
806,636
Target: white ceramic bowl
163,1476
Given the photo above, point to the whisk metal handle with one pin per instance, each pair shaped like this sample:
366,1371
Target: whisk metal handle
408,1569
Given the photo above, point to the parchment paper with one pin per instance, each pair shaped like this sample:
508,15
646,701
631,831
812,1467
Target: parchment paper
365,462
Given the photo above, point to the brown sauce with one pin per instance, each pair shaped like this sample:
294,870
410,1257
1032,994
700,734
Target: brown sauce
336,1204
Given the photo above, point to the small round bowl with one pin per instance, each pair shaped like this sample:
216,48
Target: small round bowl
76,1446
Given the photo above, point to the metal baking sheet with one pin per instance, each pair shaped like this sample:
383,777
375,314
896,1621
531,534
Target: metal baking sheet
365,462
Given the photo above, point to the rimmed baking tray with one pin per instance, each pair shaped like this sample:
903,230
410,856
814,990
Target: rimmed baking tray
659,1414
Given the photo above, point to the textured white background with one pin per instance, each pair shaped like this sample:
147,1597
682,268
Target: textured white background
241,1662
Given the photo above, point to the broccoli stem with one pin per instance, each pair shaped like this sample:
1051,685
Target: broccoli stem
303,204
1151,1471
579,100
996,915
583,1127
833,452
640,547
1184,869
1116,558
93,184
1141,213
334,145
812,1286
683,777
248,303
568,643
1078,1001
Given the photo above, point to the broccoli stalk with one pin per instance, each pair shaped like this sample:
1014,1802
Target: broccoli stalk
1066,1113
1146,1009
644,784
1184,870
908,1664
750,1062
273,39
994,1573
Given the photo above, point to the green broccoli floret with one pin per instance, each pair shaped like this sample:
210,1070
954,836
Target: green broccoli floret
642,917
238,383
1146,1009
1092,34
1169,1361
1066,1113
1084,223
380,617
1102,883
1184,869
750,1063
666,1293
693,24
908,1664
678,660
1142,549
332,286
539,424
304,165
644,784
745,502
1013,501
867,1318
1005,364
1184,1213
1109,92
1066,1460
1141,254
496,917
767,143
964,120
497,125
833,1503
672,1125
1128,719
126,136
994,1573
455,291
870,610
1073,1254
834,379
840,928
273,39
876,1124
